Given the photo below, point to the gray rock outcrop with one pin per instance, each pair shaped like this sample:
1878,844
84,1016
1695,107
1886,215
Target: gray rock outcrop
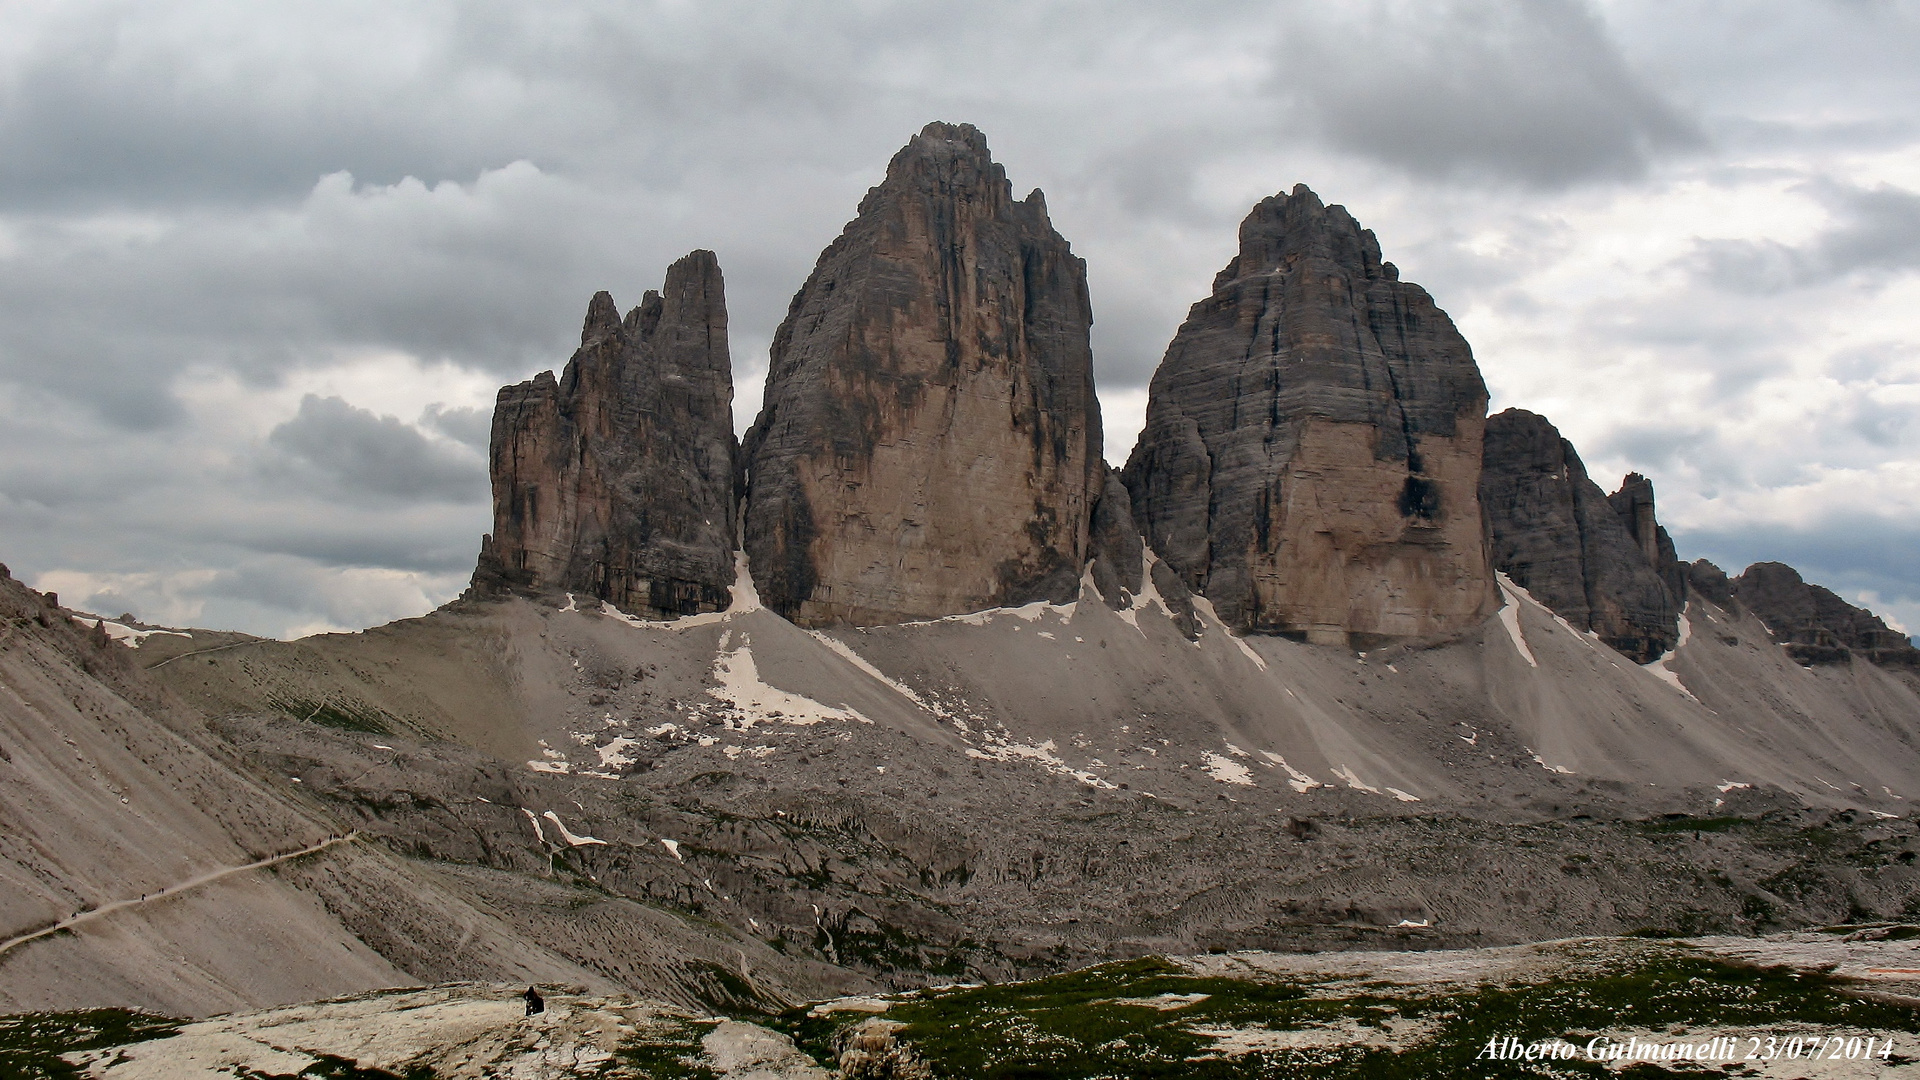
1635,506
1560,537
930,441
1814,624
1311,457
616,481
1116,554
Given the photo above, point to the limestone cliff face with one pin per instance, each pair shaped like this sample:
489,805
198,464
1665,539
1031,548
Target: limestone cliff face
930,442
616,481
1635,506
1814,624
1557,535
1311,457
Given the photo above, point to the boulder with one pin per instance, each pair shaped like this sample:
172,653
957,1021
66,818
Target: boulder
1311,457
616,481
929,443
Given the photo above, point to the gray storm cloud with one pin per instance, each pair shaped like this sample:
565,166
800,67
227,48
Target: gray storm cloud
261,267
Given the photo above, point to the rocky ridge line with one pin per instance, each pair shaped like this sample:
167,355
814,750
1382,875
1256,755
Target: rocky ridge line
1555,533
616,481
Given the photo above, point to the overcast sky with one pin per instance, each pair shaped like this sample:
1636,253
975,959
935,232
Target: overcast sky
263,266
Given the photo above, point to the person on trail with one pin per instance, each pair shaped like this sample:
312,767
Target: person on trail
534,1004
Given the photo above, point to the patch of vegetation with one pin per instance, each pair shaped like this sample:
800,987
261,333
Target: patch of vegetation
31,1043
1082,1026
1693,824
368,721
668,1051
866,940
728,992
330,1067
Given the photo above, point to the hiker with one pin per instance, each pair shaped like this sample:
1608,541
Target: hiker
534,1004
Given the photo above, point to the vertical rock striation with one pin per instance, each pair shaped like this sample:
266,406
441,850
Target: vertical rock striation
616,481
930,442
1593,559
1311,457
1634,503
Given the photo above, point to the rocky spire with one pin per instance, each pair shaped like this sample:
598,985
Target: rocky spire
1634,503
616,481
1592,558
930,441
1311,456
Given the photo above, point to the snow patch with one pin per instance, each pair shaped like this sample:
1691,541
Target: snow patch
673,848
1046,755
845,652
1510,618
539,833
131,638
1226,770
1025,613
1540,761
1257,659
1588,636
1297,780
758,702
1728,785
1403,797
1148,594
615,754
1346,773
1665,674
567,835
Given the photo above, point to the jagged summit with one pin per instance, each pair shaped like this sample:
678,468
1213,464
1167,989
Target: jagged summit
930,440
616,481
1312,448
1816,626
1593,558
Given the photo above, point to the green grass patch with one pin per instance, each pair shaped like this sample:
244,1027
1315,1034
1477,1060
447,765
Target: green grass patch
31,1043
665,1050
1078,1026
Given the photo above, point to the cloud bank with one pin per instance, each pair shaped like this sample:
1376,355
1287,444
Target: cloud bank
262,268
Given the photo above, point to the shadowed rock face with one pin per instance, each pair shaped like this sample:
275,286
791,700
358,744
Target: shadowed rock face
617,480
1311,456
1815,625
1116,556
1557,535
930,441
1634,504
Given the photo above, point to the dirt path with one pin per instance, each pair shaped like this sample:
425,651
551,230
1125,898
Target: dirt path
171,890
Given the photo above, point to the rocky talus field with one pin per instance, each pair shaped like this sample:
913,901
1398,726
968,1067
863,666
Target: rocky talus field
1347,731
